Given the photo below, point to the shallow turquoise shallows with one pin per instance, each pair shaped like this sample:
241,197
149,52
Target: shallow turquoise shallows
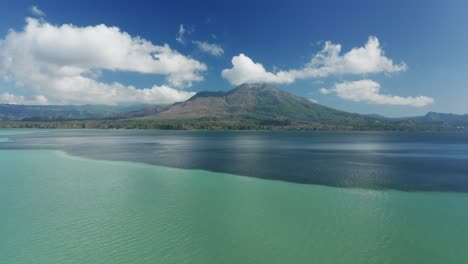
60,209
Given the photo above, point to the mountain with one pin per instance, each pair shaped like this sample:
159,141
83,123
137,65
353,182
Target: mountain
258,103
441,119
61,112
141,112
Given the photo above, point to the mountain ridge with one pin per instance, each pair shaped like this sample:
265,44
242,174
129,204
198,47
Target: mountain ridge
255,102
247,106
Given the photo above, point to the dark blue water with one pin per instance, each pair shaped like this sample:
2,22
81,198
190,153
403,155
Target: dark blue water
375,160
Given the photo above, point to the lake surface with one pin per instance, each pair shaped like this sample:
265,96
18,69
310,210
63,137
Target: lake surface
371,160
180,197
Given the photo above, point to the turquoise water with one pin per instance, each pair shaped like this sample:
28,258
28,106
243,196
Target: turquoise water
4,133
56,208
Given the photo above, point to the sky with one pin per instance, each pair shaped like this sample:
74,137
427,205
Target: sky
394,58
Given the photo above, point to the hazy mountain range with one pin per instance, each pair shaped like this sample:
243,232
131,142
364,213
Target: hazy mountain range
248,106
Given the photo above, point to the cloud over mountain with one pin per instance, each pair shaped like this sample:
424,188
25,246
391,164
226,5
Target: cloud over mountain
245,70
369,59
369,91
63,63
8,98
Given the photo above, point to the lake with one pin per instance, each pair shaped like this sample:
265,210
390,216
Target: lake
104,196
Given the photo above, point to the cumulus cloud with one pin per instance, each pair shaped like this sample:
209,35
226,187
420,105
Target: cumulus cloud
62,63
90,91
8,98
369,91
363,60
210,48
324,91
37,12
245,70
368,59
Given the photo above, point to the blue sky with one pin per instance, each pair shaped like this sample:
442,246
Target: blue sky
427,37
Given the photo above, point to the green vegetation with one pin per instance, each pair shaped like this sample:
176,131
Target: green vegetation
214,124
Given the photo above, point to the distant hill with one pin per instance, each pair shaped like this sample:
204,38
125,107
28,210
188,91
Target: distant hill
441,119
377,116
61,112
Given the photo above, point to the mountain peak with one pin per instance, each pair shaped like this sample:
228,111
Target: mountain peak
256,86
239,89
249,91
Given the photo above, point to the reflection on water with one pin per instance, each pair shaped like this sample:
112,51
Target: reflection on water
405,161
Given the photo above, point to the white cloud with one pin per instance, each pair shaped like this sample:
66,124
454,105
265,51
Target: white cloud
63,62
213,49
244,70
368,59
324,91
313,100
93,92
363,60
180,34
369,91
37,12
8,98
